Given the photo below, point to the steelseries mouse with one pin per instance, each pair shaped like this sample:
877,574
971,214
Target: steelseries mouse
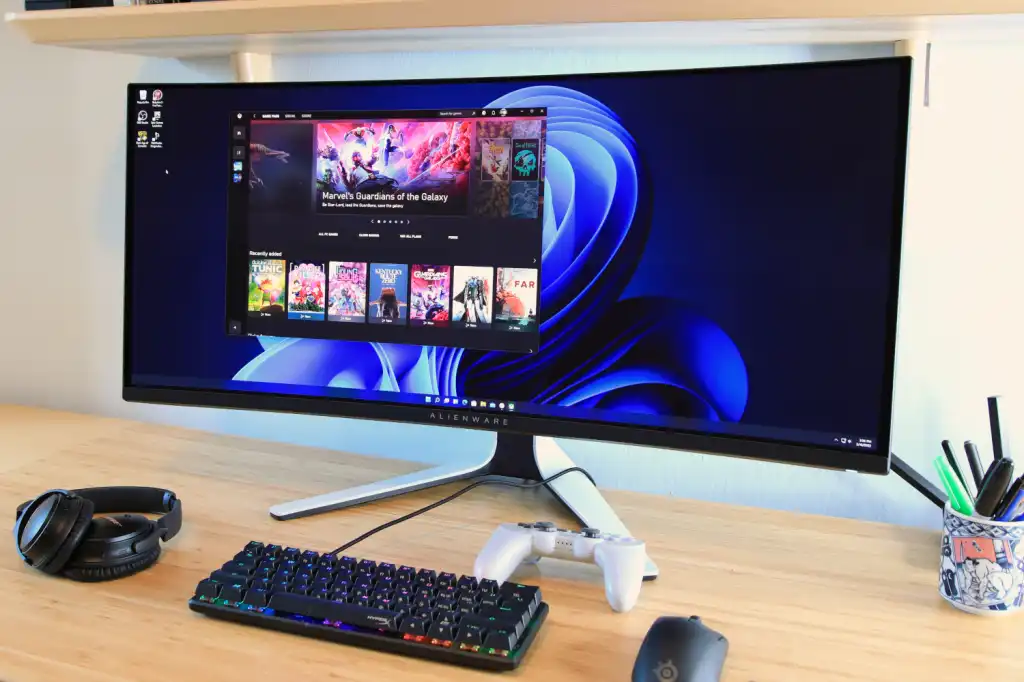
680,650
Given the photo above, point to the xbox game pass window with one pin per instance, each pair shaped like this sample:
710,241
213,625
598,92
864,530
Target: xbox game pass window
413,227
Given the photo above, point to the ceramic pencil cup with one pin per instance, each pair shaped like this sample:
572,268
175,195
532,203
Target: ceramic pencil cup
982,568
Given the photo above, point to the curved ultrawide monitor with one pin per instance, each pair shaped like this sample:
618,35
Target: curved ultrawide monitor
702,260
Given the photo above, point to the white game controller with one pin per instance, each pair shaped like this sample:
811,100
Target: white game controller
621,559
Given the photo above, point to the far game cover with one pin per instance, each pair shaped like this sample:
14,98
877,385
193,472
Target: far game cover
515,299
266,287
389,287
430,295
306,285
346,292
471,302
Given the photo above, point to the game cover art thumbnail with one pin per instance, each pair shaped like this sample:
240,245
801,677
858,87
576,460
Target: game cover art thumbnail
515,299
306,285
266,287
389,166
471,302
346,292
430,295
389,285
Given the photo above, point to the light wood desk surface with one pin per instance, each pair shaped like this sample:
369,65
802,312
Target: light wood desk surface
799,597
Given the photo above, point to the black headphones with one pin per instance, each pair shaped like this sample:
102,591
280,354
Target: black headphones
57,533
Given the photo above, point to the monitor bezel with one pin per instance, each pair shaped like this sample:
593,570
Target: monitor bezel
788,452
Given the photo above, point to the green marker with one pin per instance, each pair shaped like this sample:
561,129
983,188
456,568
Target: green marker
954,487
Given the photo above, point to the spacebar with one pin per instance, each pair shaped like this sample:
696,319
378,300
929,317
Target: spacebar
322,609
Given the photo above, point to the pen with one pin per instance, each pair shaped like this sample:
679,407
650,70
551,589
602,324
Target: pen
975,462
1012,504
947,448
993,423
993,487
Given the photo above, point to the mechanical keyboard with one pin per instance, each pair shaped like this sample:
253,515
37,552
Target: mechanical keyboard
400,609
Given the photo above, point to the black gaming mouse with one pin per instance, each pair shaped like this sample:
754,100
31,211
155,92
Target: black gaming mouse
680,650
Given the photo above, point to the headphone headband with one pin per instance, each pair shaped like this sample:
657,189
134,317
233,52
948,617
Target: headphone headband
123,499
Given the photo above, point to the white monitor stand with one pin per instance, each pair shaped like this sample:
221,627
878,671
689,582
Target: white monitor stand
515,456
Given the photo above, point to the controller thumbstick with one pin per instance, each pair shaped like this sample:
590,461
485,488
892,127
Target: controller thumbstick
591,533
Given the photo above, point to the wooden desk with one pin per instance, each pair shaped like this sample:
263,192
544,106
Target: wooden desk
799,597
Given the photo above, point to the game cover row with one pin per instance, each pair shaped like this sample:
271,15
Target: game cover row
471,297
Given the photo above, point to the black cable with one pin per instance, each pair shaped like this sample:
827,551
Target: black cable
459,493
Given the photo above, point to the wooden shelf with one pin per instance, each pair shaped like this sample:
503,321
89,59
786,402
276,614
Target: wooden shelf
272,26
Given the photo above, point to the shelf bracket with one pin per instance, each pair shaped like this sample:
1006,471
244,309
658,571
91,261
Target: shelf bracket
253,67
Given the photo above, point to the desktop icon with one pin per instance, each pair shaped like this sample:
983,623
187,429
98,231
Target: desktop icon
158,95
143,135
427,399
437,400
503,112
446,401
492,405
501,405
142,95
236,178
511,406
143,116
236,166
156,137
465,402
472,403
156,116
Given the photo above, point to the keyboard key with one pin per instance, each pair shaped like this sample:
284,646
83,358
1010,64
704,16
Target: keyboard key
366,566
323,580
340,593
232,593
504,640
488,586
348,562
207,589
385,581
321,592
255,547
468,602
467,582
441,632
322,609
280,586
230,578
425,575
310,557
507,615
257,598
449,619
260,584
415,626
493,622
446,580
273,549
526,594
291,553
489,600
363,580
472,635
240,567
328,561
386,569
250,557
407,573
445,603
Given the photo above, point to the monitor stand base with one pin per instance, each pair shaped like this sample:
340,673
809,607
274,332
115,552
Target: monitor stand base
515,456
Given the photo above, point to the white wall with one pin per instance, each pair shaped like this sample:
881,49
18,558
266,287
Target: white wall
61,189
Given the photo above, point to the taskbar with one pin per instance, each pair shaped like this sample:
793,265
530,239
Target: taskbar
511,406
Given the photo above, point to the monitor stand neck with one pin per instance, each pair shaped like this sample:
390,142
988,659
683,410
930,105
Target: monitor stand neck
515,456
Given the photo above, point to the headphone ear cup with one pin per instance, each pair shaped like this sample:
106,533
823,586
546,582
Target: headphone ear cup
104,573
74,538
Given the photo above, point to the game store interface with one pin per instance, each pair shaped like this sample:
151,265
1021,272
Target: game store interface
420,227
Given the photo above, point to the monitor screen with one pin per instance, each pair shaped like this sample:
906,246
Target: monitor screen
692,259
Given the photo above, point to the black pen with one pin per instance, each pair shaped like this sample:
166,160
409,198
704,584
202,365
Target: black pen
947,448
997,480
975,461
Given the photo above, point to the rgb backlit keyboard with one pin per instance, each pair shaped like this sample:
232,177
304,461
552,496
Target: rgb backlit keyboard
400,609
